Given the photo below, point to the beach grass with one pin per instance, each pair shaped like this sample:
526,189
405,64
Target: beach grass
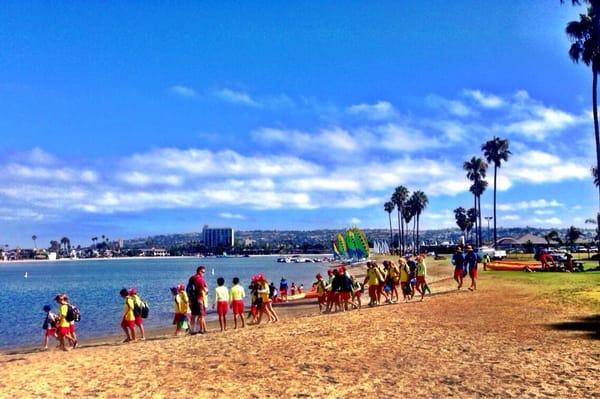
579,289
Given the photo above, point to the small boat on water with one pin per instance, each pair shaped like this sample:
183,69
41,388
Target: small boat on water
26,275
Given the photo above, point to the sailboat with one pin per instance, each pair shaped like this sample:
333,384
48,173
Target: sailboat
25,275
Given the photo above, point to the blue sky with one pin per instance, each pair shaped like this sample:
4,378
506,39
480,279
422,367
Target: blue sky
135,119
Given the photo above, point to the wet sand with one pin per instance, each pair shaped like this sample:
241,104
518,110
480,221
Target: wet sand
496,342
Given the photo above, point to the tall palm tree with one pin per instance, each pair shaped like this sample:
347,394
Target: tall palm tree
584,35
407,215
477,190
420,203
34,238
389,208
496,151
399,198
94,239
476,170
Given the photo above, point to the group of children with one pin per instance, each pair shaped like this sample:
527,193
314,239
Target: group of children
60,325
340,292
132,314
261,293
465,264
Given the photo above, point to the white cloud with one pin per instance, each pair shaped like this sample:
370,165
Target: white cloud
228,215
20,171
236,97
541,167
453,107
201,162
510,218
533,204
381,110
355,221
484,100
543,212
141,179
545,222
183,91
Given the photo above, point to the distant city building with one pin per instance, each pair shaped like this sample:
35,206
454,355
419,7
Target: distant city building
217,237
153,252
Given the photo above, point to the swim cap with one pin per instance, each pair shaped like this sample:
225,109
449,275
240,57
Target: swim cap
132,291
47,308
123,292
318,275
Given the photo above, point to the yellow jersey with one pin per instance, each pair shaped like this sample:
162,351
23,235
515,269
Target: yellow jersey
62,311
128,309
236,293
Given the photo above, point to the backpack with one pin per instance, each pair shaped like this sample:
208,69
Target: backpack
191,289
73,313
144,309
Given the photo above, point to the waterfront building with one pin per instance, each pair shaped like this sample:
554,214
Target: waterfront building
217,237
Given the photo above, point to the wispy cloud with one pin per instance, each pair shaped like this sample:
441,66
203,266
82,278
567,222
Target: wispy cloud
381,110
484,100
228,215
183,91
533,204
453,107
236,97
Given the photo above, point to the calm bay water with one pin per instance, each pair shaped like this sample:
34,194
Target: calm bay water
94,287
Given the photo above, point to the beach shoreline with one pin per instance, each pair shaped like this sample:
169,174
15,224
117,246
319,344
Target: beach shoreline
67,260
308,354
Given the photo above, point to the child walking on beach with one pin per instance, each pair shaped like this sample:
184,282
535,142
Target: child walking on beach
64,324
181,305
137,311
221,302
128,318
421,275
49,325
319,286
237,295
267,305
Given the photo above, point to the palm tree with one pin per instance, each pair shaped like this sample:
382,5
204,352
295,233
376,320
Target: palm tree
476,169
65,241
94,239
462,221
472,219
553,236
496,150
407,215
420,203
389,208
34,238
572,235
477,190
399,198
584,35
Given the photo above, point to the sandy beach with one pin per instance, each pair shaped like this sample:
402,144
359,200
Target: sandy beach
496,342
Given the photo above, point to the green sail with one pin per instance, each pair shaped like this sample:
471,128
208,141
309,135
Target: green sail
360,242
341,245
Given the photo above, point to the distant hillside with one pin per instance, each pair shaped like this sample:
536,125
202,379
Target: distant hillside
323,237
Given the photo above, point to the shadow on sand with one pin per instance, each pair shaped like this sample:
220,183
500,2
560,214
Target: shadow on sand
589,324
